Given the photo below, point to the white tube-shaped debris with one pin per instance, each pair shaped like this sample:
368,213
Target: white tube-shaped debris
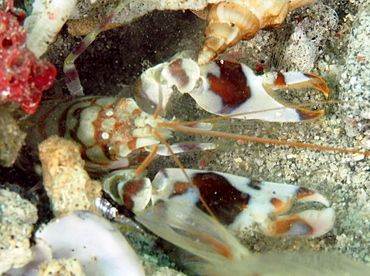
45,22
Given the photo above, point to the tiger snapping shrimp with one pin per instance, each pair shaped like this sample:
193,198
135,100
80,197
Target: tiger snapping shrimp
112,132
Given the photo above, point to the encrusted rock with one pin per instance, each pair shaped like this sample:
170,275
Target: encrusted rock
11,138
17,217
61,267
68,185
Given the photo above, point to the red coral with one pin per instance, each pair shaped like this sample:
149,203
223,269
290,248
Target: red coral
22,76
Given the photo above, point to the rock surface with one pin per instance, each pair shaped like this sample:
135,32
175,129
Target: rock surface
68,185
17,217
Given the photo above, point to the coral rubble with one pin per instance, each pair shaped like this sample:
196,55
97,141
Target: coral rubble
11,138
68,185
17,217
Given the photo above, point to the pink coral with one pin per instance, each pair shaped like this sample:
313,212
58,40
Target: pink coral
22,76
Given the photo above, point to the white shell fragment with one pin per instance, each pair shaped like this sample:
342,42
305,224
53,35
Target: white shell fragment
94,241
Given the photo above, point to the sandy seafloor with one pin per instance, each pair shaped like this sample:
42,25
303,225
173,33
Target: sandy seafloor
332,37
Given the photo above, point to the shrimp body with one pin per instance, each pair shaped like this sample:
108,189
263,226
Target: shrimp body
110,131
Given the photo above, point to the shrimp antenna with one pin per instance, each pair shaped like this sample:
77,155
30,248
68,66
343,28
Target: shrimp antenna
69,69
183,127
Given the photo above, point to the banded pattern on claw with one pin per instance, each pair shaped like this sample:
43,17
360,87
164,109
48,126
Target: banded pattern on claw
232,21
237,202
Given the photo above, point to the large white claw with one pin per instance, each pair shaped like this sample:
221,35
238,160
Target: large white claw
231,88
239,202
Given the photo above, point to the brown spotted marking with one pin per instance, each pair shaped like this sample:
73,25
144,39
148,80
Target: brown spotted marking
222,198
232,85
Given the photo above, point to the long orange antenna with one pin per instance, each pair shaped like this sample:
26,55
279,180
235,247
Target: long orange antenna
179,127
182,126
223,117
147,160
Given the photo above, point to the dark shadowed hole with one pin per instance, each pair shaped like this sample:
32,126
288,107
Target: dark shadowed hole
7,43
12,80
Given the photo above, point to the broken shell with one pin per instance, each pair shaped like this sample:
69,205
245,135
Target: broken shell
94,241
230,22
82,238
